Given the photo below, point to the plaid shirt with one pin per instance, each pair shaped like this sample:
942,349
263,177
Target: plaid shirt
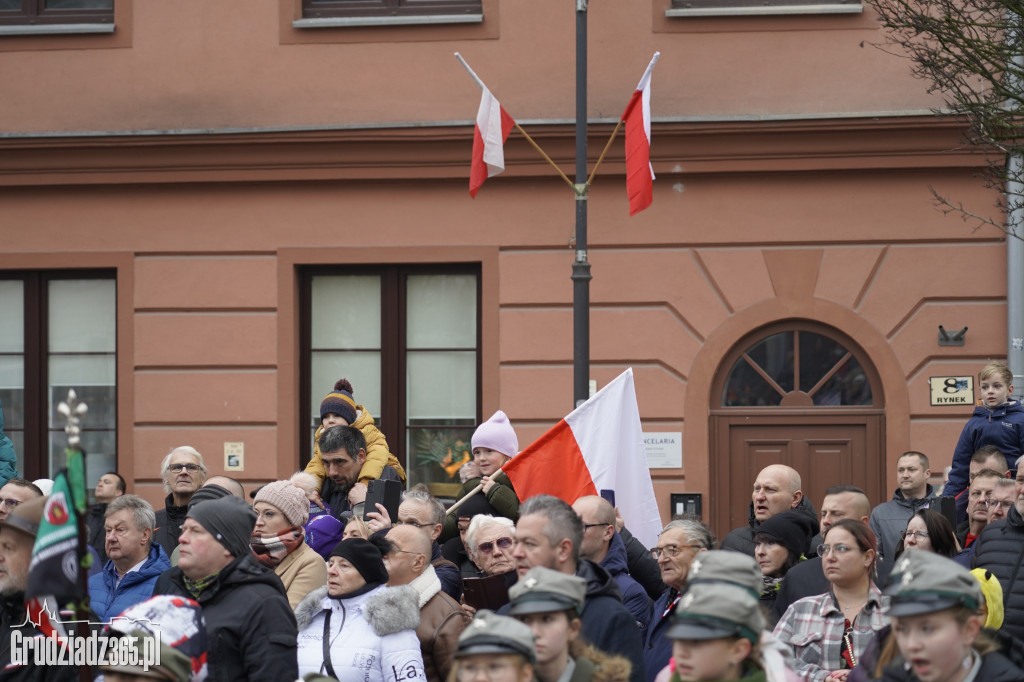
813,627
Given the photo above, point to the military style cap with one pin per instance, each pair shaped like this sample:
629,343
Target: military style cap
924,582
490,633
543,590
715,610
726,567
26,516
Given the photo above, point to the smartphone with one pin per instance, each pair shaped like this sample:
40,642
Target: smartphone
387,493
609,495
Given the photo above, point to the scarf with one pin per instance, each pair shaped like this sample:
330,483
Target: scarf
196,587
272,551
770,586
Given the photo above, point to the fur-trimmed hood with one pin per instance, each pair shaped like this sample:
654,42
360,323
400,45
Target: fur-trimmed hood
387,609
598,666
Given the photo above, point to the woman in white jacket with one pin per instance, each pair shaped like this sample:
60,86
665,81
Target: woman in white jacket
370,631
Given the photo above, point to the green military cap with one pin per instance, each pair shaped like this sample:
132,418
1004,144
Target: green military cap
174,665
924,582
715,610
724,566
490,633
543,590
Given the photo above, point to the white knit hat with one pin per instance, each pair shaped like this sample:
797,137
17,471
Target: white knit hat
496,433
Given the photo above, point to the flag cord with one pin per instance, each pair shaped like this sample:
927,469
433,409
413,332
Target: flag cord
603,152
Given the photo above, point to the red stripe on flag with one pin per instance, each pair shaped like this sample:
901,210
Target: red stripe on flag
479,171
552,465
639,184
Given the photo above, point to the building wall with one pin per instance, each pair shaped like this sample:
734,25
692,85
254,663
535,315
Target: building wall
783,192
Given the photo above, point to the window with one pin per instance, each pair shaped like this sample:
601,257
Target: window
59,332
796,368
696,8
49,12
408,339
396,11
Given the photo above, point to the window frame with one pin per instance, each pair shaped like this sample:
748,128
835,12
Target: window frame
389,9
714,8
393,417
36,429
35,13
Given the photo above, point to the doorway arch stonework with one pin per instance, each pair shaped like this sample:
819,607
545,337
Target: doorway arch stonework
713,360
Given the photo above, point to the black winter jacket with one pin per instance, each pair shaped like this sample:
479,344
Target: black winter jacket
250,628
94,523
1000,549
607,624
168,524
742,539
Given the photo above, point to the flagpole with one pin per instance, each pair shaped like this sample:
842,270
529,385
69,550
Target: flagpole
581,266
529,139
603,152
471,493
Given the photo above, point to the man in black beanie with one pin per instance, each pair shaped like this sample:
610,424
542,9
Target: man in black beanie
249,624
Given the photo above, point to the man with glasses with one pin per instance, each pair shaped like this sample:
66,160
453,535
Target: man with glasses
549,534
602,545
423,511
678,545
183,472
1003,496
15,492
977,506
442,620
1000,548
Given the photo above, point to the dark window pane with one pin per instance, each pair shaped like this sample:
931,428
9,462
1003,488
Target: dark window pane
775,356
79,4
746,388
10,4
848,386
818,354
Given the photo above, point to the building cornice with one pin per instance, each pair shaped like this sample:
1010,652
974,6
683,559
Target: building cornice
441,152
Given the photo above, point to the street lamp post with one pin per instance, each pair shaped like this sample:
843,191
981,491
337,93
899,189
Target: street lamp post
581,266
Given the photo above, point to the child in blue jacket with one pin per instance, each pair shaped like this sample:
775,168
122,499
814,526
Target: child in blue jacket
998,421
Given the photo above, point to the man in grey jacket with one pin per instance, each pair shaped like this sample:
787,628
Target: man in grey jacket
889,519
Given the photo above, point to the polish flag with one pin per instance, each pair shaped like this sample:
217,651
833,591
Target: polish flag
599,446
493,125
639,172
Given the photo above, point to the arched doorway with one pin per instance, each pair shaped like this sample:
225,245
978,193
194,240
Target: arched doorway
797,393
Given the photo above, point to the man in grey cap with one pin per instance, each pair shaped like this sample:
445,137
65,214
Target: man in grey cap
249,624
18,532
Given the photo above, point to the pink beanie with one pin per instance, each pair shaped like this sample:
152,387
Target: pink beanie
288,498
496,433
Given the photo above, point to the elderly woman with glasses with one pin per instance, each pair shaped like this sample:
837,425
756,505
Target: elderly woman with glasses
489,542
829,632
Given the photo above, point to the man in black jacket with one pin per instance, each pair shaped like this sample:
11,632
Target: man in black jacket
1000,549
777,488
183,472
250,627
109,486
549,534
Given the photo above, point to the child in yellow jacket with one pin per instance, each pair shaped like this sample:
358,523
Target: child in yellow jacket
340,408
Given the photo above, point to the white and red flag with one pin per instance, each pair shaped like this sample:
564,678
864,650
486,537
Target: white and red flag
599,446
493,124
639,172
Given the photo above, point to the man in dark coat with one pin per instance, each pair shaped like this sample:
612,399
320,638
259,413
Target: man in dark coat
18,532
602,545
1000,549
549,534
343,449
250,627
776,489
183,472
109,486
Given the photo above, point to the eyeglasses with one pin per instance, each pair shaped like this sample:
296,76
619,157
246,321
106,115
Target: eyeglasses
588,526
403,551
10,503
671,551
400,522
491,670
999,504
191,468
916,534
838,549
488,547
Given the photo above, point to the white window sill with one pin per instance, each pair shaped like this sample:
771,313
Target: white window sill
55,29
828,8
350,22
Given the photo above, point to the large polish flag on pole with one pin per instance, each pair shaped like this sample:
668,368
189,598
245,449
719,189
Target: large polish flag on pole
639,171
599,446
493,124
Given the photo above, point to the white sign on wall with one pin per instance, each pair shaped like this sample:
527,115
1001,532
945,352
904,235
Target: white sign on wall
951,390
664,449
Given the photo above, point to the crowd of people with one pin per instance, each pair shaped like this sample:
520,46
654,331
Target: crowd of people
304,580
